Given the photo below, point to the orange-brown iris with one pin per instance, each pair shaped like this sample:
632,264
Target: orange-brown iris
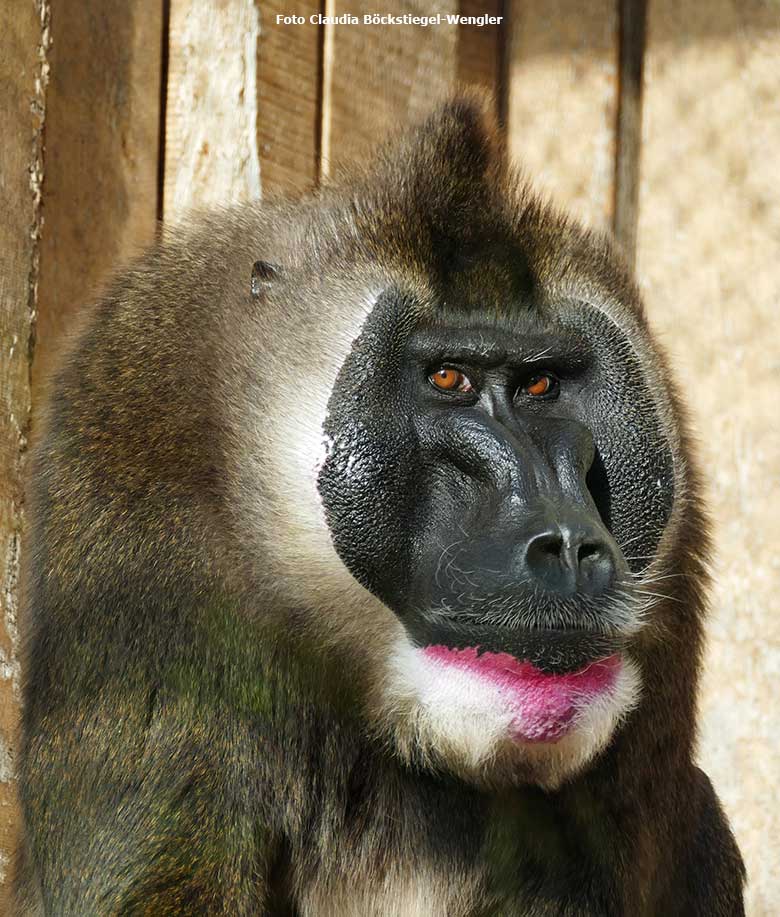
540,385
450,380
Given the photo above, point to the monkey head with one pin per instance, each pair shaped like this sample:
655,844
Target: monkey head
457,454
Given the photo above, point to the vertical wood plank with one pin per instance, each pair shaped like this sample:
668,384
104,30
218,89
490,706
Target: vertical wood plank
562,102
211,142
100,197
709,234
633,18
480,49
377,77
289,96
24,72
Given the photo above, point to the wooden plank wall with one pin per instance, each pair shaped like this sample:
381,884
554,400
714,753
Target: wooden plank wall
654,118
707,244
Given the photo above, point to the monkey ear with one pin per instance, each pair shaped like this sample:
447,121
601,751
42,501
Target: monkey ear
263,275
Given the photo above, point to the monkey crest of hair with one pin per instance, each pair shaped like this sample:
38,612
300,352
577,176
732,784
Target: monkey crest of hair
366,570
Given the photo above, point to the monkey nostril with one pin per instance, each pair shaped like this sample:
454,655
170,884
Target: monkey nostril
566,561
591,549
550,544
544,549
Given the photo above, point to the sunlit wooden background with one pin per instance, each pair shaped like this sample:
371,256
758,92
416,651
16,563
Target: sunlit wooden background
658,121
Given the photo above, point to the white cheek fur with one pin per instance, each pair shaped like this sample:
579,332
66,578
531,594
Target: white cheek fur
298,446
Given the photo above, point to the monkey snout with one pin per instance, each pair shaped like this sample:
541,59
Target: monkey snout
570,558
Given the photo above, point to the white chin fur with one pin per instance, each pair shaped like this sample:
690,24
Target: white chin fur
456,720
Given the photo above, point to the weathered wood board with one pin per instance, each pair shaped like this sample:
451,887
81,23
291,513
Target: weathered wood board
377,77
480,49
562,100
211,141
289,69
24,73
632,16
102,151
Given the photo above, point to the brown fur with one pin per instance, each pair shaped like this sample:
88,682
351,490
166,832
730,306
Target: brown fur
205,730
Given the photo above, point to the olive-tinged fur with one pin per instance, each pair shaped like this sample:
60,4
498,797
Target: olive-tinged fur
203,729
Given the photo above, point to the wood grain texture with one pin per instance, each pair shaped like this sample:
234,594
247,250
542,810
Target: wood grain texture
480,49
633,21
289,79
562,100
24,73
709,234
100,197
377,77
211,144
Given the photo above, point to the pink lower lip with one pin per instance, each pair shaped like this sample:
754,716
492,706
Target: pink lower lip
545,705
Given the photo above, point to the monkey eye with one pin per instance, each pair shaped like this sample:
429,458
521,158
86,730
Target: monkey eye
449,379
540,385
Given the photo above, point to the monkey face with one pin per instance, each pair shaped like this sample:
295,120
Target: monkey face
476,481
479,476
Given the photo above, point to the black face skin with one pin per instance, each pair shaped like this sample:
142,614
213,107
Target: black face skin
521,511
